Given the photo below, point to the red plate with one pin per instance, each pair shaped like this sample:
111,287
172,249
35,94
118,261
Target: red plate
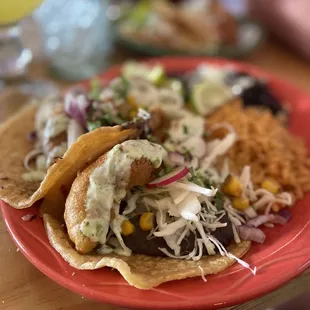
284,255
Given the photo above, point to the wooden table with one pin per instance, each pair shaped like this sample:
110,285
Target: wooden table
23,287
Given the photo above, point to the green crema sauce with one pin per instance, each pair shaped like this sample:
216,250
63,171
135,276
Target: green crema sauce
108,183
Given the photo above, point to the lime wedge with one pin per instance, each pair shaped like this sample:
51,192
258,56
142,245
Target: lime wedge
155,75
207,96
173,84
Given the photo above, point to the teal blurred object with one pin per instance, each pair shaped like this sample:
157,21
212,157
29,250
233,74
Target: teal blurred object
76,36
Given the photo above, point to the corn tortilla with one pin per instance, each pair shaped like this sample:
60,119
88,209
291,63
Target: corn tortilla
14,146
143,272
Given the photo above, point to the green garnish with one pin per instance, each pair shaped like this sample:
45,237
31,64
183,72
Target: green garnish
192,171
104,120
199,179
151,138
165,170
219,200
95,89
185,129
122,91
93,125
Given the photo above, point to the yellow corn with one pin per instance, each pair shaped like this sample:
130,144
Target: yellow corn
232,186
276,207
132,101
240,203
133,113
127,228
271,186
146,221
134,107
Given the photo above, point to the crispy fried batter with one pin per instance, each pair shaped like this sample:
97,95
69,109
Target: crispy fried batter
141,171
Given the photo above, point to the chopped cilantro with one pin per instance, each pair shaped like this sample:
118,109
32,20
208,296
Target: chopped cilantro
219,200
95,89
93,125
165,170
168,169
121,90
185,129
199,179
151,138
105,119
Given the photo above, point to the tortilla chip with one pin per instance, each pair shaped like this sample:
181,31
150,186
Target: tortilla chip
143,272
14,146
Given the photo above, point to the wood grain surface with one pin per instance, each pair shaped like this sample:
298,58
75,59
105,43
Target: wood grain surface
23,287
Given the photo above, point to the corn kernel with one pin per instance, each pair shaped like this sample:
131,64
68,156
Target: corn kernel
127,228
271,186
276,207
132,113
146,221
240,203
232,186
132,101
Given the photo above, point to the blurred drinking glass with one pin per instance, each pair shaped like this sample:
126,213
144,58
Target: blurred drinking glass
75,35
14,57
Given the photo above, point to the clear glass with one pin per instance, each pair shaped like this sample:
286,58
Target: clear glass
76,36
14,57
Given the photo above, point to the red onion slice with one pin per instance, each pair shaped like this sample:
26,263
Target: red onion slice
259,220
267,218
169,178
277,219
76,105
251,233
176,158
286,214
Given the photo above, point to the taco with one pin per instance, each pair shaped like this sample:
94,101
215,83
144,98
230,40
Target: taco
23,181
120,214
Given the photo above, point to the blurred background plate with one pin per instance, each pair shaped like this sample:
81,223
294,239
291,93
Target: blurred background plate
250,35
